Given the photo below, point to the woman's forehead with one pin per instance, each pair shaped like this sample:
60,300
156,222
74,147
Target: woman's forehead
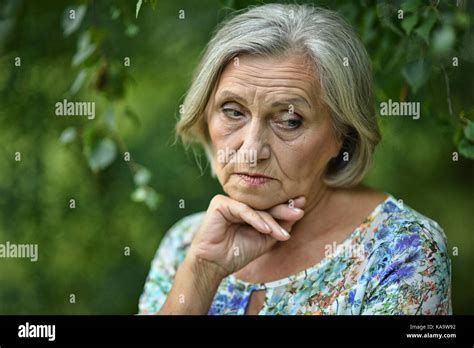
290,75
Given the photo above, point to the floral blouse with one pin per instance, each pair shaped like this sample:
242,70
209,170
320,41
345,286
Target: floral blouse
395,262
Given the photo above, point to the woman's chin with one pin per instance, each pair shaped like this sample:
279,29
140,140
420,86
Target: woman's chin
254,201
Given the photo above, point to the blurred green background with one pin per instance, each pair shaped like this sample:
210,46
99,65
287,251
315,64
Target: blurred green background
122,204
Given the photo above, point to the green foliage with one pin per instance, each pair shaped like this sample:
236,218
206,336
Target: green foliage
416,74
108,77
100,153
139,5
466,144
70,25
122,203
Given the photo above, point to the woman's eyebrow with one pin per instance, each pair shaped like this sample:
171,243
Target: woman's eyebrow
227,94
292,101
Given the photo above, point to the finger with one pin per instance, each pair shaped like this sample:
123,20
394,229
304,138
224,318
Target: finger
278,232
237,212
285,212
298,202
288,215
288,225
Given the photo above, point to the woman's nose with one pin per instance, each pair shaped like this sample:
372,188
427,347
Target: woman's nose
255,140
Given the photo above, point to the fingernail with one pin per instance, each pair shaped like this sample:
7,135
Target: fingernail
284,233
298,210
267,227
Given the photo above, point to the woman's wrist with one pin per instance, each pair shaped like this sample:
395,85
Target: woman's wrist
209,272
194,287
204,277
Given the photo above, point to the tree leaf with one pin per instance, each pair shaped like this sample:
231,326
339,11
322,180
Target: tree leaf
102,154
78,82
139,194
115,13
469,131
109,119
466,148
152,200
408,23
85,48
425,27
410,5
443,40
416,74
139,5
70,25
147,195
385,11
68,135
142,176
131,30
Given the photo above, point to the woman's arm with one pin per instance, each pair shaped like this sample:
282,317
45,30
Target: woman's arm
410,274
194,287
230,236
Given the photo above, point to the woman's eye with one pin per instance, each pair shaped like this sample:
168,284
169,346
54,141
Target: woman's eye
232,113
290,123
293,123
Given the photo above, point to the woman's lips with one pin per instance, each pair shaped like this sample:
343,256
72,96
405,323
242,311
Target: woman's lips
254,179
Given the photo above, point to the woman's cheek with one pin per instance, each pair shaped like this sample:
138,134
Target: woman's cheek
301,161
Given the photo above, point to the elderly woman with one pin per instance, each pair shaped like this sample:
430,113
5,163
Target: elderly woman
282,103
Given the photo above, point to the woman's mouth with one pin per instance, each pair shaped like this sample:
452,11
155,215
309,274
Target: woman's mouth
254,179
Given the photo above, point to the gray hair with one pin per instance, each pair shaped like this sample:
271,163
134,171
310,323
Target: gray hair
341,63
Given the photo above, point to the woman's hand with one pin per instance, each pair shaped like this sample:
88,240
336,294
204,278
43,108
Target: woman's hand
232,234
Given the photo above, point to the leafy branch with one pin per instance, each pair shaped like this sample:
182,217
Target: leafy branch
103,75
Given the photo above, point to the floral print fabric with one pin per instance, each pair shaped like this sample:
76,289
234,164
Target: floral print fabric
395,262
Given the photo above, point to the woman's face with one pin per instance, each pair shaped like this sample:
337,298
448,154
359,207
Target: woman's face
265,118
